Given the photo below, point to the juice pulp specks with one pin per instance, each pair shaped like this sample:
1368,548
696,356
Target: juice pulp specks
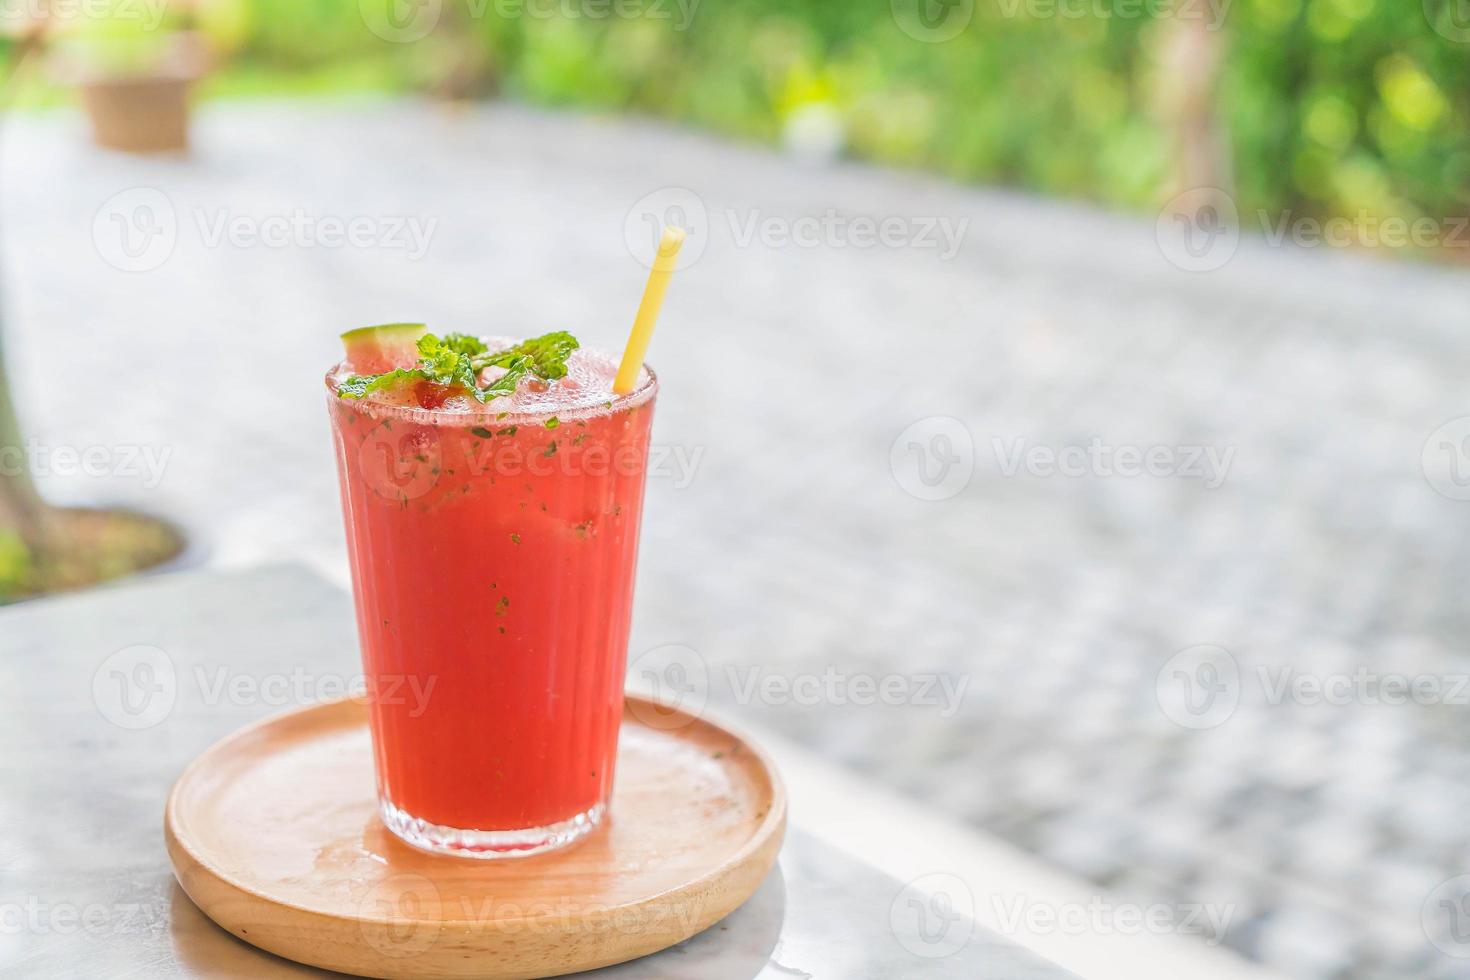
524,677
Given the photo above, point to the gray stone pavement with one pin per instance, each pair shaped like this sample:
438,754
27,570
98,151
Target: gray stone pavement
800,560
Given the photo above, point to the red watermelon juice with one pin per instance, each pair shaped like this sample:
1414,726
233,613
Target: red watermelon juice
492,544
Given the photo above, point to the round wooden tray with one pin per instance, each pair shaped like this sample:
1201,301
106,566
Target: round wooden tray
274,833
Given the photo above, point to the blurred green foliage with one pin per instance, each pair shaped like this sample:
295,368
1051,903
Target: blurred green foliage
1340,106
1331,107
15,564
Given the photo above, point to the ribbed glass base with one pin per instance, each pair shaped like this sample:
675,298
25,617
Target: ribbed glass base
440,839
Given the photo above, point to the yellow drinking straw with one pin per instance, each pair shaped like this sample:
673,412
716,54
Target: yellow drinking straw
653,298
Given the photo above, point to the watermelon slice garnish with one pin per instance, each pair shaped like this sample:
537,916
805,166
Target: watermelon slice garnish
383,348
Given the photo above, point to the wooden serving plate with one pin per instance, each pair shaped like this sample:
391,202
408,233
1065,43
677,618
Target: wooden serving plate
274,833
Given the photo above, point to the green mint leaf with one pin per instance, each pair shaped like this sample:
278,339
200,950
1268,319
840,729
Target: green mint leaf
455,360
544,356
359,386
506,384
463,343
553,422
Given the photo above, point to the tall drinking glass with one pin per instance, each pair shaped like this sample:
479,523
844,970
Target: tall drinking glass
493,552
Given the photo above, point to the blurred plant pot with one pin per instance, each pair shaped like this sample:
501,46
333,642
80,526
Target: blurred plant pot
137,101
139,115
96,545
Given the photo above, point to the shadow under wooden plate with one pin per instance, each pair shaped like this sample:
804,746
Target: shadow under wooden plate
274,834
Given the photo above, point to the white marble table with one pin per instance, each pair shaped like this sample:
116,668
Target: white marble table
88,752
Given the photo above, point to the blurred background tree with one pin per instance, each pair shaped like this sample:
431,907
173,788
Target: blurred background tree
45,548
1320,108
20,505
